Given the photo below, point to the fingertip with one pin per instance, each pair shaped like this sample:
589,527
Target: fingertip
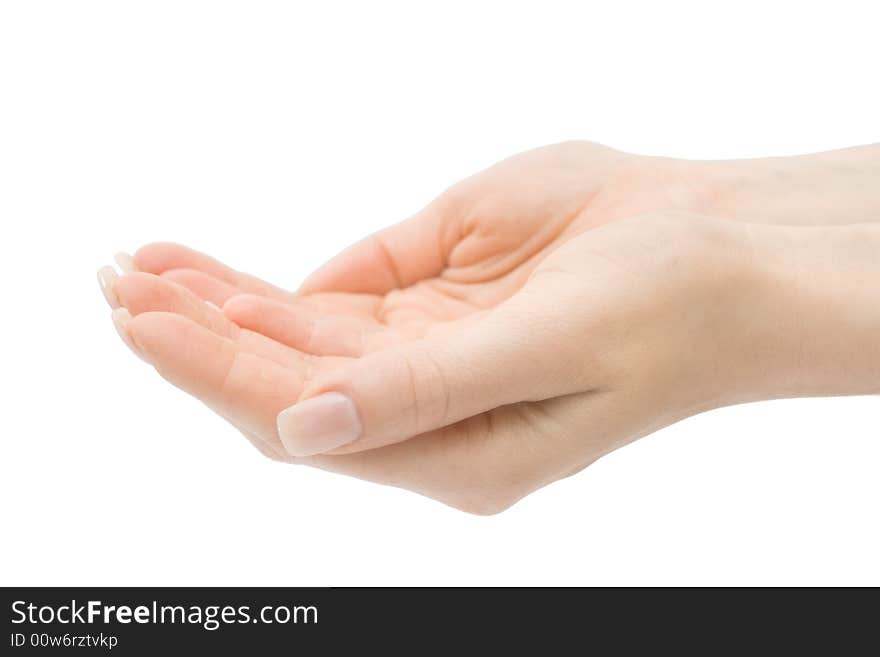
142,292
239,301
363,267
292,326
242,306
156,256
313,283
206,286
156,332
107,280
135,290
142,328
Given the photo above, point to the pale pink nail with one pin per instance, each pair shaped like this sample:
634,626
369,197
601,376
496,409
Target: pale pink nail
319,424
107,278
125,262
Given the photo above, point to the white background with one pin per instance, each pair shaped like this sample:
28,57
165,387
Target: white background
272,135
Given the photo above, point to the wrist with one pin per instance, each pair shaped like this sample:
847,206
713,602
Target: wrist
835,187
813,323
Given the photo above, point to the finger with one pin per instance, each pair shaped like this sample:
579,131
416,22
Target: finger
395,257
366,306
162,256
203,285
245,388
391,395
306,330
140,293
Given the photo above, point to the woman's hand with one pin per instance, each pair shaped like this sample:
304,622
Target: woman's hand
493,343
625,329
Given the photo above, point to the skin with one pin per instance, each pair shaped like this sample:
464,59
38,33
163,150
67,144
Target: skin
538,315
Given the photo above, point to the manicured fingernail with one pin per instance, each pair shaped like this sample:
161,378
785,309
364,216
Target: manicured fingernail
319,424
107,278
121,317
125,262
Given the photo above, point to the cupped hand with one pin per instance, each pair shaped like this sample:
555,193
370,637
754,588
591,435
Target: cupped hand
466,252
589,353
506,336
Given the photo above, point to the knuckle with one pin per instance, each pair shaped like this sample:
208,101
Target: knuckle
426,390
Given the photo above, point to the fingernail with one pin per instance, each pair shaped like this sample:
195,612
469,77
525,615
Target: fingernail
125,262
107,278
121,317
319,424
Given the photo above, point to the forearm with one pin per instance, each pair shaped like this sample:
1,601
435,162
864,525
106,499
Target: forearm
830,188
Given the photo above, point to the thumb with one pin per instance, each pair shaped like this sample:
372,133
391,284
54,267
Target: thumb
397,393
395,257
